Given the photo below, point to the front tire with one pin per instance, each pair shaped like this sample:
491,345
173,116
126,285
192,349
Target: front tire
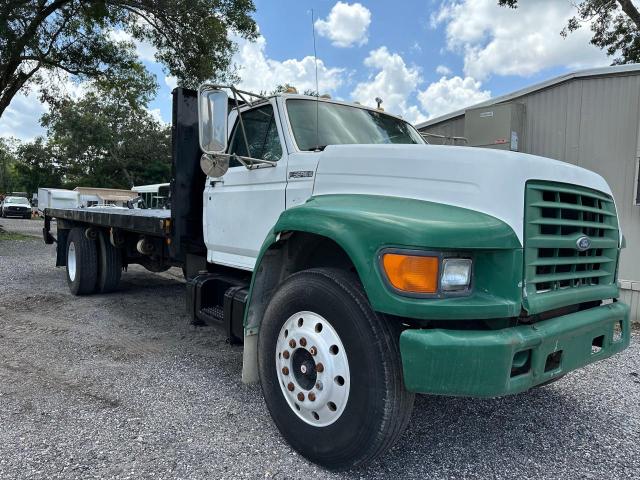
82,263
330,370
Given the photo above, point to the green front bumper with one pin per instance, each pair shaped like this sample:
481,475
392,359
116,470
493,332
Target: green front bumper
481,363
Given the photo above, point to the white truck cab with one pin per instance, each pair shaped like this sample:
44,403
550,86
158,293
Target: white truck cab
291,131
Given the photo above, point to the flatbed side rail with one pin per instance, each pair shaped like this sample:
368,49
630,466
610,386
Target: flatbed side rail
147,222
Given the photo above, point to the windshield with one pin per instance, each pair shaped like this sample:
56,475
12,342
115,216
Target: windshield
343,124
19,200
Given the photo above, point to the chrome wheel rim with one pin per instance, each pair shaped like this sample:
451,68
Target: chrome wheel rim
312,369
71,261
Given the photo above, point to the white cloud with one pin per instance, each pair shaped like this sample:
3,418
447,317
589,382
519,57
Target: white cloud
449,94
262,74
144,50
524,41
157,116
171,81
443,70
394,82
21,119
347,25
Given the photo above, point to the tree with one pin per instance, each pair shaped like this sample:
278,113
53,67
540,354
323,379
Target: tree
36,167
7,165
107,140
615,25
283,87
79,37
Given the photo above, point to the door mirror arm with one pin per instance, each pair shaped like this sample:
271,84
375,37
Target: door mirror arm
251,163
216,165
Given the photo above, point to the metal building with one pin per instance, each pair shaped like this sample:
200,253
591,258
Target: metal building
589,118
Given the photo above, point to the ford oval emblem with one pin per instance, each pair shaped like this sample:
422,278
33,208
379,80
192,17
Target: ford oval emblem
583,243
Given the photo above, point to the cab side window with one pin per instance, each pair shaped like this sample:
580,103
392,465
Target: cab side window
262,136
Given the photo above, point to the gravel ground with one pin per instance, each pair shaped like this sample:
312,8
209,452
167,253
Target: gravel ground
121,386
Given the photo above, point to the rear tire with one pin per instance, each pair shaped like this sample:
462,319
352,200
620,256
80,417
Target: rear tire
335,428
109,265
82,263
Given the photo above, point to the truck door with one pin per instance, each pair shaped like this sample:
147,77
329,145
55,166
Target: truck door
243,205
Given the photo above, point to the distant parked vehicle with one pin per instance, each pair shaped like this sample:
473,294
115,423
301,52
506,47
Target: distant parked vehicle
16,207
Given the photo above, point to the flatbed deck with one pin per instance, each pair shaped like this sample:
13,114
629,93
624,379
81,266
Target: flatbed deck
145,221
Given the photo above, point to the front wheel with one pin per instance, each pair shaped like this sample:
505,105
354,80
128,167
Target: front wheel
330,370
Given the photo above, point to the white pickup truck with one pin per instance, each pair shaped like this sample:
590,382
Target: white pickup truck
359,266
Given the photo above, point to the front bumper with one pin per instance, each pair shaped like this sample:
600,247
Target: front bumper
17,213
481,363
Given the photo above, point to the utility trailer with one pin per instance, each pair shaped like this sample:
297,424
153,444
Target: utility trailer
358,265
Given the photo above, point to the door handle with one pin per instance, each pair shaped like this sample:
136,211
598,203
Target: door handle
213,182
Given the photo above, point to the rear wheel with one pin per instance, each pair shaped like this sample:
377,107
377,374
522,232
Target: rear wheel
109,265
82,263
330,370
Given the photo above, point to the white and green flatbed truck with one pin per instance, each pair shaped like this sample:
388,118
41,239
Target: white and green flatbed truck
358,266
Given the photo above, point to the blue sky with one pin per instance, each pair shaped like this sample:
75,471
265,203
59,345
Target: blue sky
423,58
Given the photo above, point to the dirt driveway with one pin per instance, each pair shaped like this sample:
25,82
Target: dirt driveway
121,386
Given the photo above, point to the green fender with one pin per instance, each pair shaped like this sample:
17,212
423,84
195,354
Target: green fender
362,225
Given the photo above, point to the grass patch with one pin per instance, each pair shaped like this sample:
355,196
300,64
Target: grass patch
4,235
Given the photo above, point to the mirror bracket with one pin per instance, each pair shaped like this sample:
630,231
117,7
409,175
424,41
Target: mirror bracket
213,167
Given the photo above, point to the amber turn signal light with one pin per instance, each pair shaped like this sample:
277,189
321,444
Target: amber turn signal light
411,273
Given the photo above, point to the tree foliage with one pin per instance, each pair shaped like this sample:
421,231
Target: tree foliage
107,140
7,165
35,167
283,87
615,25
78,37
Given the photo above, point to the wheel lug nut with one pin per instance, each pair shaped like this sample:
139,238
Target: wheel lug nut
291,387
312,397
303,342
285,370
319,386
285,354
292,343
319,368
313,351
301,396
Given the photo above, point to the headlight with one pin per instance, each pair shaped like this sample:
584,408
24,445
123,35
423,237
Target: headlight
428,273
456,274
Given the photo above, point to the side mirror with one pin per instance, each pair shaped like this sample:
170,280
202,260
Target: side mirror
213,105
214,165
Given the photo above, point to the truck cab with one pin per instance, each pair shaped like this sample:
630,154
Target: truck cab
357,265
282,130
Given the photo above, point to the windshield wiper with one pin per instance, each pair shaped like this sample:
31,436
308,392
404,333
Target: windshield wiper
319,148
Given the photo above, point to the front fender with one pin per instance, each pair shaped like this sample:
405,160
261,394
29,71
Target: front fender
364,224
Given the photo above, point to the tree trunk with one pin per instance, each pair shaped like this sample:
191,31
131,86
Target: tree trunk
128,176
632,12
9,84
9,89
